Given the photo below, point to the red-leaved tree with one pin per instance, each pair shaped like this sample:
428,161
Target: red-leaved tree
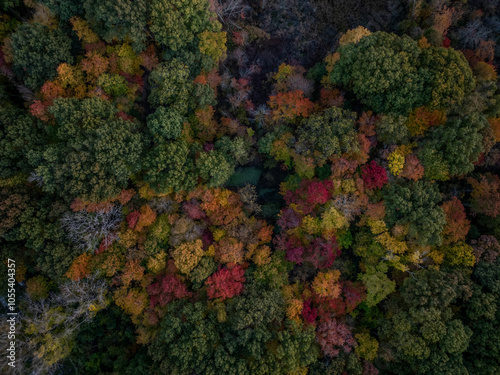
309,313
168,288
334,336
226,283
374,176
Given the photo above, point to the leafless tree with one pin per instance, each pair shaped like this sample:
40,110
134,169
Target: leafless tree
79,301
260,114
299,82
57,319
229,11
248,71
248,195
36,178
347,205
163,205
88,229
26,93
471,35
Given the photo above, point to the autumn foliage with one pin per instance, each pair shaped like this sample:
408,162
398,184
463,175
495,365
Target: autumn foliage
226,283
374,176
486,194
288,106
457,226
224,187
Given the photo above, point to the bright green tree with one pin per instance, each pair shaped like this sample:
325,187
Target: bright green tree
31,230
392,74
248,336
416,204
113,84
325,134
421,330
458,143
165,123
38,51
170,167
65,9
121,20
215,168
435,166
170,86
19,133
483,317
92,153
378,285
176,24
450,76
382,70
392,130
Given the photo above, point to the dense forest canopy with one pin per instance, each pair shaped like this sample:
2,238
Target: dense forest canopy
251,187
